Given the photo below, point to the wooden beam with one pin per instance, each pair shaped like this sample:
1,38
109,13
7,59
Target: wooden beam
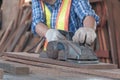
111,29
108,73
35,58
22,43
6,34
9,11
14,68
116,18
114,28
24,27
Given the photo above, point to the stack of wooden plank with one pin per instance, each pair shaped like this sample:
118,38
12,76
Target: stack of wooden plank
114,29
15,30
101,69
102,46
108,31
17,33
35,60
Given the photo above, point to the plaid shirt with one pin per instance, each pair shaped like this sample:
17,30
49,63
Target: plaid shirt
79,10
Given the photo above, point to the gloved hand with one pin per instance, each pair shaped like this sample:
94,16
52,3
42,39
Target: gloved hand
53,34
84,35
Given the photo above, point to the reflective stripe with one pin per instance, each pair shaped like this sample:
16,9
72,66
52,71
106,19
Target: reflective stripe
63,15
47,14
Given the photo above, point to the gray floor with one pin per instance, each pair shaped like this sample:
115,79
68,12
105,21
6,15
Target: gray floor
43,77
41,73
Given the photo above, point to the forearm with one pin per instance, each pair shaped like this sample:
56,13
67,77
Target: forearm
89,21
41,29
38,19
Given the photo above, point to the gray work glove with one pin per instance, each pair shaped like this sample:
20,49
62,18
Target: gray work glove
53,35
84,35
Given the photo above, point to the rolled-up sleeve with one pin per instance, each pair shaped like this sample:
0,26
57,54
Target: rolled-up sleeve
37,14
83,9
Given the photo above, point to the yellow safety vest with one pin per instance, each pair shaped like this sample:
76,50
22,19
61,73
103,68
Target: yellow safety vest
62,17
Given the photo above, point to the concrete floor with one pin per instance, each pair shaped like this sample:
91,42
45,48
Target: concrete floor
44,77
52,74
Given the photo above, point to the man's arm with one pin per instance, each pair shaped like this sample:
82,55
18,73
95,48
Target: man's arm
86,33
38,18
85,12
90,22
38,24
41,29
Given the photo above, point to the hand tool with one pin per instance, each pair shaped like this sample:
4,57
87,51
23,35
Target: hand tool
67,50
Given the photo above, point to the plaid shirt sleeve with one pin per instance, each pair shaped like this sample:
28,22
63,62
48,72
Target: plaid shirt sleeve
37,14
83,9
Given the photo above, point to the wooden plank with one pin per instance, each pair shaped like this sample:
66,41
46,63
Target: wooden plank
100,40
22,43
1,34
38,64
6,34
0,18
15,29
14,68
111,29
11,35
18,36
33,41
118,45
9,11
101,10
22,28
114,28
116,18
35,58
103,39
6,37
109,73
